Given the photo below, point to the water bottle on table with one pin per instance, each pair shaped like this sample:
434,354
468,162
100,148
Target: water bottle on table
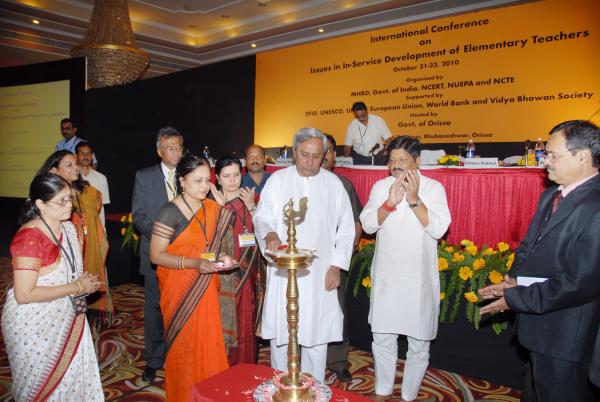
470,153
540,153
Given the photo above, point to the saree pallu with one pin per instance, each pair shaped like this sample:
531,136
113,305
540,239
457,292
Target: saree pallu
195,347
50,350
237,294
95,246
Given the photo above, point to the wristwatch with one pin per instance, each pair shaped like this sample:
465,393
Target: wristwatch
416,204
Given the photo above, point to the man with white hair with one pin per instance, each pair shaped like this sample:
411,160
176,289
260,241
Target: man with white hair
329,228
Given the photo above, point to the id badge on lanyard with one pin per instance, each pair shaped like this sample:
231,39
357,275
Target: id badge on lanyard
212,257
246,239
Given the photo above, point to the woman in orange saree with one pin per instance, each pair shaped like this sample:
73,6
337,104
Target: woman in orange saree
184,246
87,202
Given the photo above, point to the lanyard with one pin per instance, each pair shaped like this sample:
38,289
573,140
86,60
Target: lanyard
362,134
79,210
71,258
242,217
202,226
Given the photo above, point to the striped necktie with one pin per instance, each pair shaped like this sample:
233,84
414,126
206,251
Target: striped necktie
171,187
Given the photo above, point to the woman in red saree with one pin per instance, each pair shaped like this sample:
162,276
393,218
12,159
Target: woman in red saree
50,348
237,295
87,202
185,245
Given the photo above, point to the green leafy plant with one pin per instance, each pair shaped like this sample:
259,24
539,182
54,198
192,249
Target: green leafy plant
463,269
131,237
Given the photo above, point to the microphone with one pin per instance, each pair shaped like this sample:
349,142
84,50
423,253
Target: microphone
375,148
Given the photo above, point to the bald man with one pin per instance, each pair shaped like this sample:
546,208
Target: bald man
256,176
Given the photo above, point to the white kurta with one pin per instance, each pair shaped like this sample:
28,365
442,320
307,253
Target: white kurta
405,283
328,228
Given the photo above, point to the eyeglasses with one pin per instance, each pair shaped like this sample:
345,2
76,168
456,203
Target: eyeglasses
64,202
552,156
170,148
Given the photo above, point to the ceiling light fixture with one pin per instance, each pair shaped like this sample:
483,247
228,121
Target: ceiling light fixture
113,57
320,30
253,45
36,22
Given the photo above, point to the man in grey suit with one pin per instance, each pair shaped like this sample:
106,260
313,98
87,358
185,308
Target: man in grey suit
154,186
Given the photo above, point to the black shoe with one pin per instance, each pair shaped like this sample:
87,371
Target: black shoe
149,374
343,375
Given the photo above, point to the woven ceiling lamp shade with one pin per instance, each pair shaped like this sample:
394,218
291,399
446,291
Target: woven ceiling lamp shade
113,57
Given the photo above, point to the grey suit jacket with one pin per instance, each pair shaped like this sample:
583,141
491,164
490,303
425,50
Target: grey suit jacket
149,195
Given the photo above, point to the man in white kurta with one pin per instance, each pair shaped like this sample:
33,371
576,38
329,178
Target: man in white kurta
328,228
409,212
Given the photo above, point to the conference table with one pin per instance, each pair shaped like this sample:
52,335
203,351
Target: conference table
487,205
238,382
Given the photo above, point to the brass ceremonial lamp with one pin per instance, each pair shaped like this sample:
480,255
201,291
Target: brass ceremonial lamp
292,386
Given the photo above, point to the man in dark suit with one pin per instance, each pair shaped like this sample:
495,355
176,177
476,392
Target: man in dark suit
337,352
555,284
154,187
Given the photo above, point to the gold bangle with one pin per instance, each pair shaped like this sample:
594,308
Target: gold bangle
182,261
81,286
76,291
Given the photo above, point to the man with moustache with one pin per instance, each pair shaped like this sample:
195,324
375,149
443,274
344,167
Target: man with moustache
85,156
154,186
554,284
68,129
337,352
328,228
365,135
410,213
256,175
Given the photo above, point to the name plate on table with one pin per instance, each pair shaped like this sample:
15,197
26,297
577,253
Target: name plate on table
284,161
480,163
343,161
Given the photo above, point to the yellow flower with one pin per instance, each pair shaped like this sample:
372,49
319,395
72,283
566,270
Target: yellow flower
510,260
454,158
471,297
478,264
503,246
443,159
135,237
122,231
442,264
442,295
457,257
449,249
489,251
129,218
495,277
465,273
472,249
123,219
366,282
466,242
